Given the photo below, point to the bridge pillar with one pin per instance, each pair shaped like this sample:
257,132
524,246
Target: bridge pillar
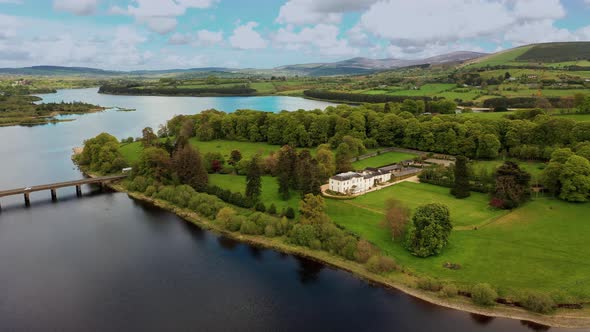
53,195
27,199
78,190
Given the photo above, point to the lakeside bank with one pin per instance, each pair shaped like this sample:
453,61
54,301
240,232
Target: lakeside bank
566,318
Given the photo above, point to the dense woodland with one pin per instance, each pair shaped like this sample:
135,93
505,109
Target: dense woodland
136,90
533,135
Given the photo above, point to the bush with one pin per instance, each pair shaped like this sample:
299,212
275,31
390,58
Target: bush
270,231
260,207
541,303
138,184
290,213
483,294
150,191
364,251
302,235
429,284
272,209
235,223
224,216
249,227
380,264
450,290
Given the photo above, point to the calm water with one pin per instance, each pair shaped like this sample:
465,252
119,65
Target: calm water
106,262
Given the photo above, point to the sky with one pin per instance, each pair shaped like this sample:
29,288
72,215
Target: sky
164,34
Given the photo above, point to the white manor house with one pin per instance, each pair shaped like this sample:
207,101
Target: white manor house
354,183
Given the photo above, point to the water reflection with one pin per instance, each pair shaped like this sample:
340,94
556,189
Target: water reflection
227,243
308,271
535,326
481,319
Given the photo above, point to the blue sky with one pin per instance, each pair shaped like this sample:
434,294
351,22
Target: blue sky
158,34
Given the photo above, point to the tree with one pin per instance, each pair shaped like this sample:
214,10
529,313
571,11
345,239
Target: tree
312,209
154,163
343,157
326,162
234,157
286,171
148,138
429,231
101,154
190,168
488,147
461,186
575,180
397,216
512,187
253,180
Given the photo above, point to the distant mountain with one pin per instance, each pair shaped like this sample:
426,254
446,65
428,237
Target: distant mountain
93,72
362,65
352,66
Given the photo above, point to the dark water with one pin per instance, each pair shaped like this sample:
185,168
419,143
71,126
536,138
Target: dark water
106,262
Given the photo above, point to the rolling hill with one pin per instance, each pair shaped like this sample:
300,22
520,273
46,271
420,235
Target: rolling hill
545,54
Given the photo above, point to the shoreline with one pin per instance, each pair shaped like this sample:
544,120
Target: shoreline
563,318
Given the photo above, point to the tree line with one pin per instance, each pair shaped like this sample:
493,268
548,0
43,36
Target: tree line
388,125
240,90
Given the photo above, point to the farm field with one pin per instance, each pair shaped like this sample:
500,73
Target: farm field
383,159
520,250
575,117
270,189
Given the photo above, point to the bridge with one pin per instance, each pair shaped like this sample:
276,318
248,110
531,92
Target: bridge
54,186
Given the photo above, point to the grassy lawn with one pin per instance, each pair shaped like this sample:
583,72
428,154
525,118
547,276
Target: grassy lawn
270,189
535,168
471,211
575,117
383,159
486,115
525,249
132,151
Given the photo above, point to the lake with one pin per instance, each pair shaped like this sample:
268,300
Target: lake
107,262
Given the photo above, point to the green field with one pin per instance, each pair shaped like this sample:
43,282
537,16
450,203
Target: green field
576,117
383,159
132,151
500,58
486,115
520,250
270,189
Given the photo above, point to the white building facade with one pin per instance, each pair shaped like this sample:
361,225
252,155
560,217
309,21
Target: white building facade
352,183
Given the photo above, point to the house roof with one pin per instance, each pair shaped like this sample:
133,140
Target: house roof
346,176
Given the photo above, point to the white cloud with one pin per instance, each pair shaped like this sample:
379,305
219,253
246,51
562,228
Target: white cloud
200,38
245,37
77,7
209,38
160,15
300,12
322,38
313,11
422,27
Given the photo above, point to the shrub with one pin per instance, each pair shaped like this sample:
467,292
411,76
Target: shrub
302,235
249,227
290,213
272,209
483,294
270,231
260,207
224,216
150,191
429,284
541,303
380,264
235,223
450,290
364,251
139,184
